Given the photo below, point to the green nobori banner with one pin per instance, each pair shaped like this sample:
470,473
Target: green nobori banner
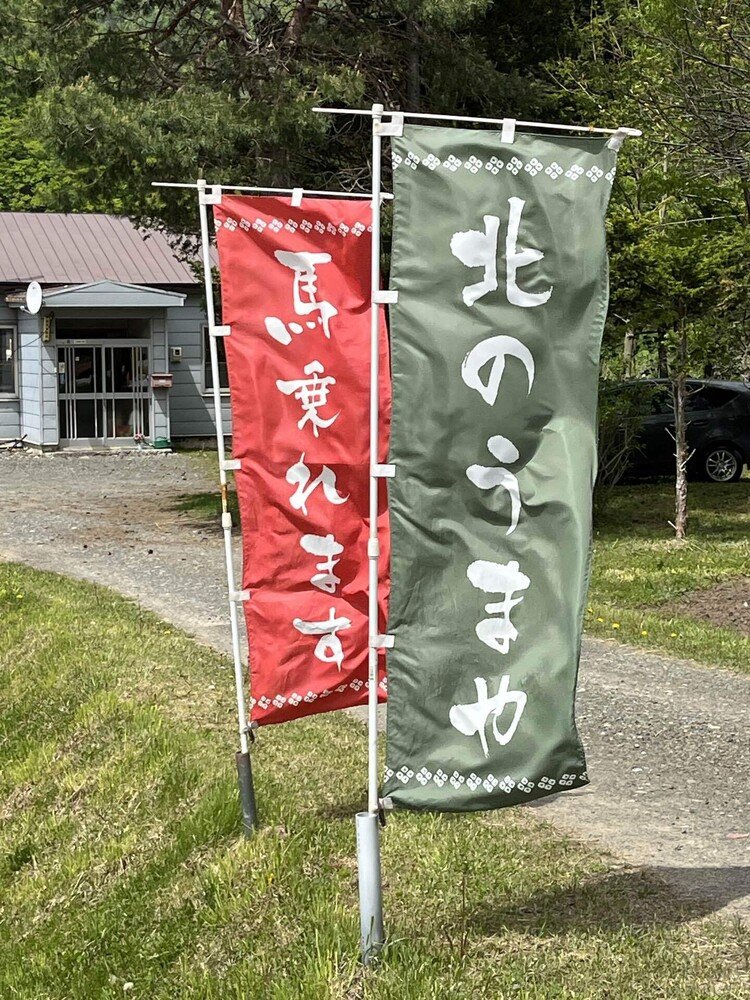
500,264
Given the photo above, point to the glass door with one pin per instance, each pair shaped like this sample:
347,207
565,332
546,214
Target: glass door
103,392
126,391
79,379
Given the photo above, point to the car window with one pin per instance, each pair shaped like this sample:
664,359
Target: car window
708,397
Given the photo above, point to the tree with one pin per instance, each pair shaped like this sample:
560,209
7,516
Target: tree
125,91
678,224
704,89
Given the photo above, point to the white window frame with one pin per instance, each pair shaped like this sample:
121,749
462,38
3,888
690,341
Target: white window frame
206,360
14,340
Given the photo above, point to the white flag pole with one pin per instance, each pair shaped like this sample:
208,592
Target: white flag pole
368,829
546,126
307,192
242,757
373,545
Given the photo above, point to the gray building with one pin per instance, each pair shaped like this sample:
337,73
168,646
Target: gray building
118,352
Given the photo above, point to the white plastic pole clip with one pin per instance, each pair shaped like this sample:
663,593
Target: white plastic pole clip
232,464
239,596
616,141
383,641
385,297
384,471
508,132
219,331
211,196
394,127
297,194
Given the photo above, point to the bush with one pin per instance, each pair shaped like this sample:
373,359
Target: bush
622,407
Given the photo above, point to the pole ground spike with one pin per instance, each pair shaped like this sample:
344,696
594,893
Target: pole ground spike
246,792
372,936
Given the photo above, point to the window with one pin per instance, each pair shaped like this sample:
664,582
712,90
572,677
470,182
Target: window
707,397
8,361
208,381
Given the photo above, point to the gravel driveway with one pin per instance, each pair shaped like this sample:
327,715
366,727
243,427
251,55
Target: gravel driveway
668,742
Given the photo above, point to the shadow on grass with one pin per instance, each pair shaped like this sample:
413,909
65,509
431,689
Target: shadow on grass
718,512
343,810
612,901
720,885
204,509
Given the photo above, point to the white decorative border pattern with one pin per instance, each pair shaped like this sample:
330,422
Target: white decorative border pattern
279,700
473,781
495,164
292,225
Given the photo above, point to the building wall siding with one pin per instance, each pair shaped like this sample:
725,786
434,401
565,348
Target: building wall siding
10,419
30,383
10,407
50,411
192,408
159,363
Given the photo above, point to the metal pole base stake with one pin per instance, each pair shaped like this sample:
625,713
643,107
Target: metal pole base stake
370,888
247,793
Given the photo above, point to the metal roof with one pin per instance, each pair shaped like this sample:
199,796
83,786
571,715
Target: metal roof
66,249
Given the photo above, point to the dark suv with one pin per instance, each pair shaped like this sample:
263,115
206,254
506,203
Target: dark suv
718,428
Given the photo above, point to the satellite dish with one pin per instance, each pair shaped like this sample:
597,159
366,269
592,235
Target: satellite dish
34,297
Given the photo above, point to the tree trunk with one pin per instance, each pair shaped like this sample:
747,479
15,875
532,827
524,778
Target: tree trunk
300,18
681,447
661,353
234,12
746,197
413,75
629,353
234,31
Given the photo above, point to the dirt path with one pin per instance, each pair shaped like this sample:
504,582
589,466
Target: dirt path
115,519
668,742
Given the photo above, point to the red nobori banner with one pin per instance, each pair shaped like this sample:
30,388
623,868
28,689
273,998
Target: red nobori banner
295,289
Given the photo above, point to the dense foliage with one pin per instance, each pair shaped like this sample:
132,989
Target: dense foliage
100,97
124,91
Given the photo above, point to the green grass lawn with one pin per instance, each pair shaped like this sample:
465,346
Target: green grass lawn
638,567
123,872
205,508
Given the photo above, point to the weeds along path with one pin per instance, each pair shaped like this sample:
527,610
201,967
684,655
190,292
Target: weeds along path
668,741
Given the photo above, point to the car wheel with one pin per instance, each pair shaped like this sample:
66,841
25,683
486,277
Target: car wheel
722,464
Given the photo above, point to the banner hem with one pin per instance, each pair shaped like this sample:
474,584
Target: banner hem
519,793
